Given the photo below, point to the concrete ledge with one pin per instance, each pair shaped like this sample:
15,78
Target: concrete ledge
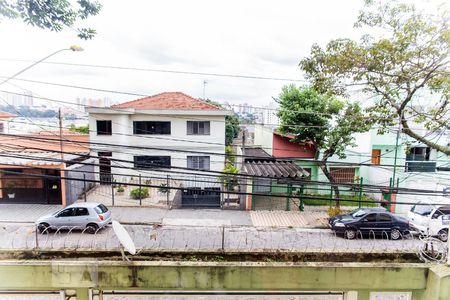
212,275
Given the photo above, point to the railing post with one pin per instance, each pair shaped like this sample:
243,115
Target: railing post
84,187
112,193
168,190
140,190
360,191
301,204
36,237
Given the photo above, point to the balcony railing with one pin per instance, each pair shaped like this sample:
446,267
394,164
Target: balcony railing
420,166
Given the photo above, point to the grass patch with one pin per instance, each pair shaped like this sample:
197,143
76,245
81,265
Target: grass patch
343,202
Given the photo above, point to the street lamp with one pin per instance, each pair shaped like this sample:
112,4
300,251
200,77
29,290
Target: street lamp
71,48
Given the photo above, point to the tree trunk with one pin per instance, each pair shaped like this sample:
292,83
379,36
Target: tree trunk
323,167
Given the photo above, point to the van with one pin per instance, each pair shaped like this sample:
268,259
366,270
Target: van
432,220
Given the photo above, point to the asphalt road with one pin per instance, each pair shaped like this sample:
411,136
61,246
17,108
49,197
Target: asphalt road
23,236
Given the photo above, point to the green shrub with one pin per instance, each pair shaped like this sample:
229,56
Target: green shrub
120,189
334,211
139,193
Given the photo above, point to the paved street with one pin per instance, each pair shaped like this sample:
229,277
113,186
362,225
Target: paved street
312,217
20,236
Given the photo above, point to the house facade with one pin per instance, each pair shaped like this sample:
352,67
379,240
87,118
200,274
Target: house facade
418,167
166,134
5,118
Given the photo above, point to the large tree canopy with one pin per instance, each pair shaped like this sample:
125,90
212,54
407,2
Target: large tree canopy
404,64
322,120
54,15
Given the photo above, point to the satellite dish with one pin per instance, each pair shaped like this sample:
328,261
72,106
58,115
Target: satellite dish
124,238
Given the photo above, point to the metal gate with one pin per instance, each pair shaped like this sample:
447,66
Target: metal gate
197,197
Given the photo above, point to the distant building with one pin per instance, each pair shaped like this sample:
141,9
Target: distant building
5,119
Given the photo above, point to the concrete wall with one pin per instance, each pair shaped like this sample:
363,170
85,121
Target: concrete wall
424,282
75,188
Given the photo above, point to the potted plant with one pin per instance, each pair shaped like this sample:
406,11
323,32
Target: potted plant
120,190
163,189
11,191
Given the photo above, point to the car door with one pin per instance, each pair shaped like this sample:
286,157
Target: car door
439,220
384,224
368,223
63,218
81,217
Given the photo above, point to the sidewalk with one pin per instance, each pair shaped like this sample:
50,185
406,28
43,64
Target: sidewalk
310,218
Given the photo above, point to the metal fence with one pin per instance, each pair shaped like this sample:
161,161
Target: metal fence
221,238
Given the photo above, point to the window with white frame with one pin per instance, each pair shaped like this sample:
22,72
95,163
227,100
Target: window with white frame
198,127
198,162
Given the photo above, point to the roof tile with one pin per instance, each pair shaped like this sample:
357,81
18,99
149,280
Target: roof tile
169,100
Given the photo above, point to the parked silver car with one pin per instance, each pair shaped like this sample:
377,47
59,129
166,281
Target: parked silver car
88,215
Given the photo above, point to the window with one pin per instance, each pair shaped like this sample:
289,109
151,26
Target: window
66,213
440,212
81,211
423,210
101,209
370,218
198,128
2,128
376,156
104,127
198,162
151,127
148,162
419,154
385,218
343,175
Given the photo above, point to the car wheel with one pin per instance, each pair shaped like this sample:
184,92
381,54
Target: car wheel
443,235
395,234
91,228
43,228
350,234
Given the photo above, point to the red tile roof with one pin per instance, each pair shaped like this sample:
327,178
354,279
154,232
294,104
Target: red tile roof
169,100
4,115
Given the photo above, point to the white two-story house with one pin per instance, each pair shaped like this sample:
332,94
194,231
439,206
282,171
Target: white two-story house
154,133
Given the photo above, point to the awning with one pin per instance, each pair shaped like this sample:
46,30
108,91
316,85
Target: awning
274,169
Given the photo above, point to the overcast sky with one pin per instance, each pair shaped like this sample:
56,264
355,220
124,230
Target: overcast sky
260,38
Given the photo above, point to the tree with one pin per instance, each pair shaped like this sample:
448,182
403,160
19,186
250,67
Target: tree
321,120
81,129
405,66
54,15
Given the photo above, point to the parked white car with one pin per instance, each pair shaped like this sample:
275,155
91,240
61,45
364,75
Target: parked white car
88,215
433,220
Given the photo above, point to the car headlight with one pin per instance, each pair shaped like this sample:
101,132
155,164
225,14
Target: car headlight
339,224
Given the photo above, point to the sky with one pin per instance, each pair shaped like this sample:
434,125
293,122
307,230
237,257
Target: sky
256,38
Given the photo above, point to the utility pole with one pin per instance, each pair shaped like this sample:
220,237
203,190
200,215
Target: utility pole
396,147
61,136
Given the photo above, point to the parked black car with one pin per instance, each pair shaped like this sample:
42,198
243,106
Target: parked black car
370,221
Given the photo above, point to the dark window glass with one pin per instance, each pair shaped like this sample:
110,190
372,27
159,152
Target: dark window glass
148,162
198,162
151,127
385,218
440,212
198,127
105,154
370,218
2,128
81,211
66,213
104,127
102,208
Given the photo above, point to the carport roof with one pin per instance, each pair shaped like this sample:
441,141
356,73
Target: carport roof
275,169
34,159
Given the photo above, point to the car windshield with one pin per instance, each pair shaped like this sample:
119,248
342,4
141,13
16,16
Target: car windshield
358,213
423,210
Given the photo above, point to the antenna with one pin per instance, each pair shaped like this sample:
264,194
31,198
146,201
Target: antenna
124,239
204,88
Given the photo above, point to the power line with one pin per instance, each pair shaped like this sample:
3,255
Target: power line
218,191
203,172
162,70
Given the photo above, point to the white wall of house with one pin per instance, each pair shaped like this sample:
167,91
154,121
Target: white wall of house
177,144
